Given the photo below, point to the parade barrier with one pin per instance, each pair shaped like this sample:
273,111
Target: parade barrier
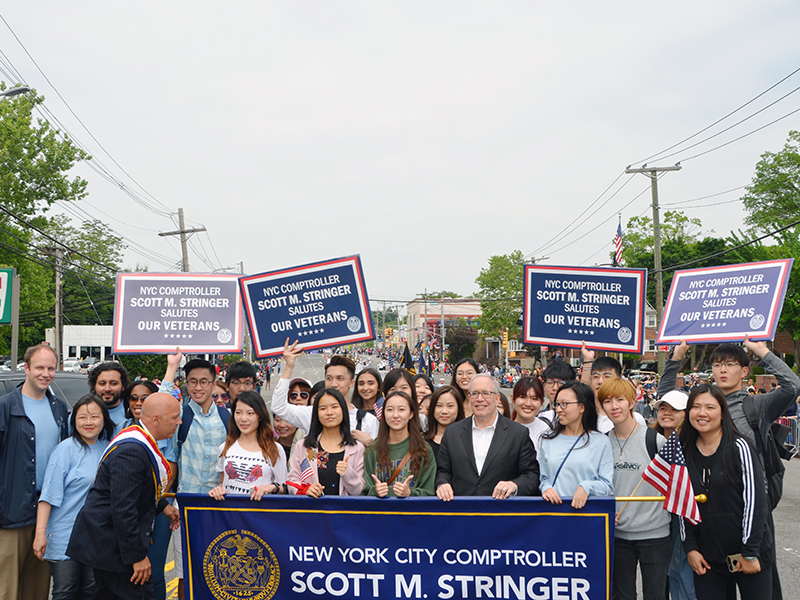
354,547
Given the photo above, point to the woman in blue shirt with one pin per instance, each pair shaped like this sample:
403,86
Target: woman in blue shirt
575,459
70,473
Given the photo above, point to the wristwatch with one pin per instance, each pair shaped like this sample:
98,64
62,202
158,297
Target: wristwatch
750,558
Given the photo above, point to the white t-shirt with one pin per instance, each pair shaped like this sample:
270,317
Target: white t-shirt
244,469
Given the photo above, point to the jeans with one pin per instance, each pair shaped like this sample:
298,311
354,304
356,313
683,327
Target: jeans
681,576
157,553
652,556
72,580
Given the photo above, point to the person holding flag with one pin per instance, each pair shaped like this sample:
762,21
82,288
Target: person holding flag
329,461
727,538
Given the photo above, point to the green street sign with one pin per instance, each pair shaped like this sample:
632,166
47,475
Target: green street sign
6,285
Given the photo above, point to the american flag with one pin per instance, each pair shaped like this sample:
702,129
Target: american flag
670,476
379,408
306,472
618,246
391,361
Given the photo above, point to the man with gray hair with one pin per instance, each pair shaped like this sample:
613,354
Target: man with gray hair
486,454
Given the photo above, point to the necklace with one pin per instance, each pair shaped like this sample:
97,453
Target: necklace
625,443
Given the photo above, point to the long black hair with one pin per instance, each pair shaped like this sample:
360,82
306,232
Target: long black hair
453,381
433,424
391,379
108,424
126,394
357,400
315,429
731,462
585,396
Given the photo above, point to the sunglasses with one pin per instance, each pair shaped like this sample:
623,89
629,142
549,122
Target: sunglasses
302,395
224,396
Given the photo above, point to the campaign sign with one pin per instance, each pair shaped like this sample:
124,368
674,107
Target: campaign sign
6,287
155,312
298,547
565,306
322,304
724,304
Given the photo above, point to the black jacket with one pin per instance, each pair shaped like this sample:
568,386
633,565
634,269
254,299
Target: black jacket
113,529
511,457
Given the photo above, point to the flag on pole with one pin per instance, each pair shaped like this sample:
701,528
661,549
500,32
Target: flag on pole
422,366
391,360
379,408
670,476
407,361
618,245
306,472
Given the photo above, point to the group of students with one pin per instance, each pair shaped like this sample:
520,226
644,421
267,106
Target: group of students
392,437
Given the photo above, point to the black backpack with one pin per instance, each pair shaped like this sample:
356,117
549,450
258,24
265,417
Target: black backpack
774,469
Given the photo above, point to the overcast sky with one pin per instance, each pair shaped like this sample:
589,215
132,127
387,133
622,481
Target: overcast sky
424,136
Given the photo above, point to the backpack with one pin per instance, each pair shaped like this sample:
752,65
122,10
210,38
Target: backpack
774,469
360,417
650,441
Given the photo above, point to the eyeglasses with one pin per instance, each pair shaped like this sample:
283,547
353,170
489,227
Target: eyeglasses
465,373
138,398
485,393
727,365
564,405
199,382
225,396
558,382
241,383
302,395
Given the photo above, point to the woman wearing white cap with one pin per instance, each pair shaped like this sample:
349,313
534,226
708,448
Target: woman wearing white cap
670,411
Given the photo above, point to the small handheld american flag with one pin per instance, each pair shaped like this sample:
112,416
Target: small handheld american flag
379,408
670,476
306,472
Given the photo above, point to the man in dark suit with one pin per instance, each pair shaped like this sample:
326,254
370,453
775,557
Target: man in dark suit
486,454
112,531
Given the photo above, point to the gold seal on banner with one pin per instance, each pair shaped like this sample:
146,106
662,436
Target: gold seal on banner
239,565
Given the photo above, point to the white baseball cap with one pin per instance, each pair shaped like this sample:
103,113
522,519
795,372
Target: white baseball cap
676,399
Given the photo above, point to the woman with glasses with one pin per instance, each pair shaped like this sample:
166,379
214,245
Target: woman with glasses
575,459
220,394
463,373
299,392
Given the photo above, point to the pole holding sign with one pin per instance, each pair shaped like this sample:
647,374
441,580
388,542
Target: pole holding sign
565,306
726,303
321,305
154,313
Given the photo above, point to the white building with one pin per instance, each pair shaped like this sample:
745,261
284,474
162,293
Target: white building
83,341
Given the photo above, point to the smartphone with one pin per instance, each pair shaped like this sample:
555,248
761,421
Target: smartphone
733,561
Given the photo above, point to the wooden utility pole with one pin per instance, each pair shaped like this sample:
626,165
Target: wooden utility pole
652,173
182,233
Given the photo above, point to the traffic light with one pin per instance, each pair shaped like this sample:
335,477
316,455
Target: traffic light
388,333
505,340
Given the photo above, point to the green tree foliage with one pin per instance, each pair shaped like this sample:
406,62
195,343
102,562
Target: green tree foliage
462,340
34,165
773,198
501,294
151,366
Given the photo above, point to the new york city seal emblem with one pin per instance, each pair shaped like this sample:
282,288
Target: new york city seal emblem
239,565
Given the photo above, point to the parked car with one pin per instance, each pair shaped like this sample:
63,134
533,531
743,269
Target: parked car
87,364
70,387
73,365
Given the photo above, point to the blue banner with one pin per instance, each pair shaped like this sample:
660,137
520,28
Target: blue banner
723,304
565,306
156,312
356,547
321,305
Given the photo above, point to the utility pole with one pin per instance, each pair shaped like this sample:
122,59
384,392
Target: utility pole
182,233
57,252
425,325
652,173
441,299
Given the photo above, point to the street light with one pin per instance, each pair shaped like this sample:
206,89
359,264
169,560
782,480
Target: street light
15,91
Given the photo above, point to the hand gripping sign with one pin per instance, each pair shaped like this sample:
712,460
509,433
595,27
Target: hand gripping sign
321,305
726,303
565,306
155,312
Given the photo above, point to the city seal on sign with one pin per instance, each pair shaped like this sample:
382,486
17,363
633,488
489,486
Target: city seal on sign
239,565
624,335
757,321
354,324
224,336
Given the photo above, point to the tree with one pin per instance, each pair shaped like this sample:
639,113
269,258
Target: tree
501,294
34,165
442,294
773,199
462,340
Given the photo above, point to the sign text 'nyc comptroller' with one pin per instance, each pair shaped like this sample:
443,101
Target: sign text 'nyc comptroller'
565,306
725,303
320,305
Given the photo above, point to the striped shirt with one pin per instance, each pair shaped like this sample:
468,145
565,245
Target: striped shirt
197,463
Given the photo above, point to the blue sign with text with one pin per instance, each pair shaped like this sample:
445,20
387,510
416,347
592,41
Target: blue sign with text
321,305
565,306
352,547
723,304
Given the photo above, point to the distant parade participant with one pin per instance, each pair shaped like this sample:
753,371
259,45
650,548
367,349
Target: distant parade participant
32,423
339,375
107,381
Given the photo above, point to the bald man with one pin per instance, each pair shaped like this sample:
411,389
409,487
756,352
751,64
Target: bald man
112,531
